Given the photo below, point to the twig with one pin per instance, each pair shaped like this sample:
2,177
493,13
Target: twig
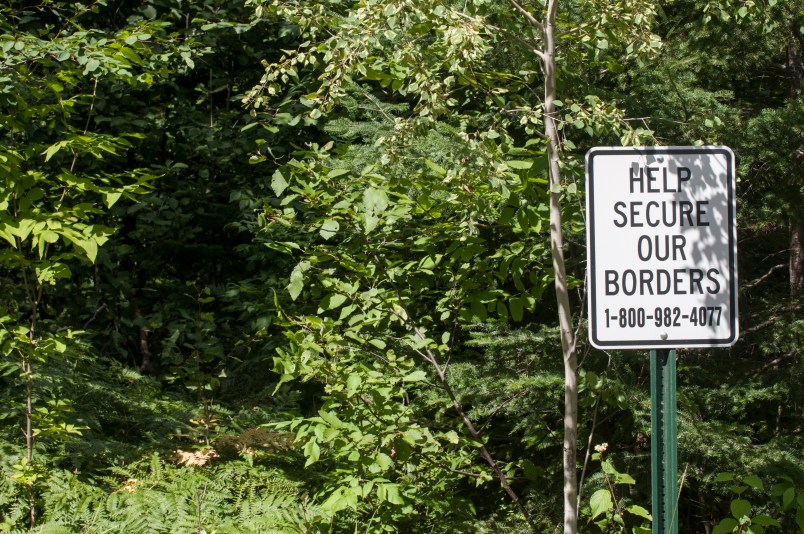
772,320
764,277
678,497
588,450
775,362
95,314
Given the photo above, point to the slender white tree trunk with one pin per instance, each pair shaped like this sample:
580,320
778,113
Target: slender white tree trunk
562,293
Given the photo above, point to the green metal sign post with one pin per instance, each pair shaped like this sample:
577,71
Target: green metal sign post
664,449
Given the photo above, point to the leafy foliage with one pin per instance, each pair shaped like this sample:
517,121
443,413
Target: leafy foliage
326,310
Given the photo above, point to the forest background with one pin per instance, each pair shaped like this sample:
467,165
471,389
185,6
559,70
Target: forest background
286,267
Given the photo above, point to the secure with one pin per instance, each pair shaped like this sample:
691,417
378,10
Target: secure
665,213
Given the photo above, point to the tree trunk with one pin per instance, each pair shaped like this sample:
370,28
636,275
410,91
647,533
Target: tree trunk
796,256
562,293
795,65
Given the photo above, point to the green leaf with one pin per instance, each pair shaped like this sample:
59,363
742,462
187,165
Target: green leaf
623,478
278,183
374,201
519,164
754,481
608,467
415,376
787,498
333,301
517,307
334,173
389,493
384,461
452,437
740,508
600,502
89,246
637,510
726,526
766,521
724,477
530,470
53,149
111,198
353,383
435,167
341,499
91,66
379,343
131,55
330,418
312,451
297,280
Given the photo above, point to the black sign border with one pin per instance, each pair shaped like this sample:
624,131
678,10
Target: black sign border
590,230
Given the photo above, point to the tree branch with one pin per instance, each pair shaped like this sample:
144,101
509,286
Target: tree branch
764,277
528,16
772,320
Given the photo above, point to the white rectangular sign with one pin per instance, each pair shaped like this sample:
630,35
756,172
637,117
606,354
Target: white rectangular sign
662,247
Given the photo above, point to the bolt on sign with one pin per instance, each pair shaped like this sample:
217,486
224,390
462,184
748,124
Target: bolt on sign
662,247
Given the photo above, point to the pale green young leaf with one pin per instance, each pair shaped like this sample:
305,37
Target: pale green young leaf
623,478
637,510
383,461
390,493
600,502
379,343
111,198
297,279
333,301
24,228
519,164
415,376
329,228
278,183
312,451
353,383
340,499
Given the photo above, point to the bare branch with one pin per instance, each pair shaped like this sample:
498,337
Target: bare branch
764,276
775,362
772,320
